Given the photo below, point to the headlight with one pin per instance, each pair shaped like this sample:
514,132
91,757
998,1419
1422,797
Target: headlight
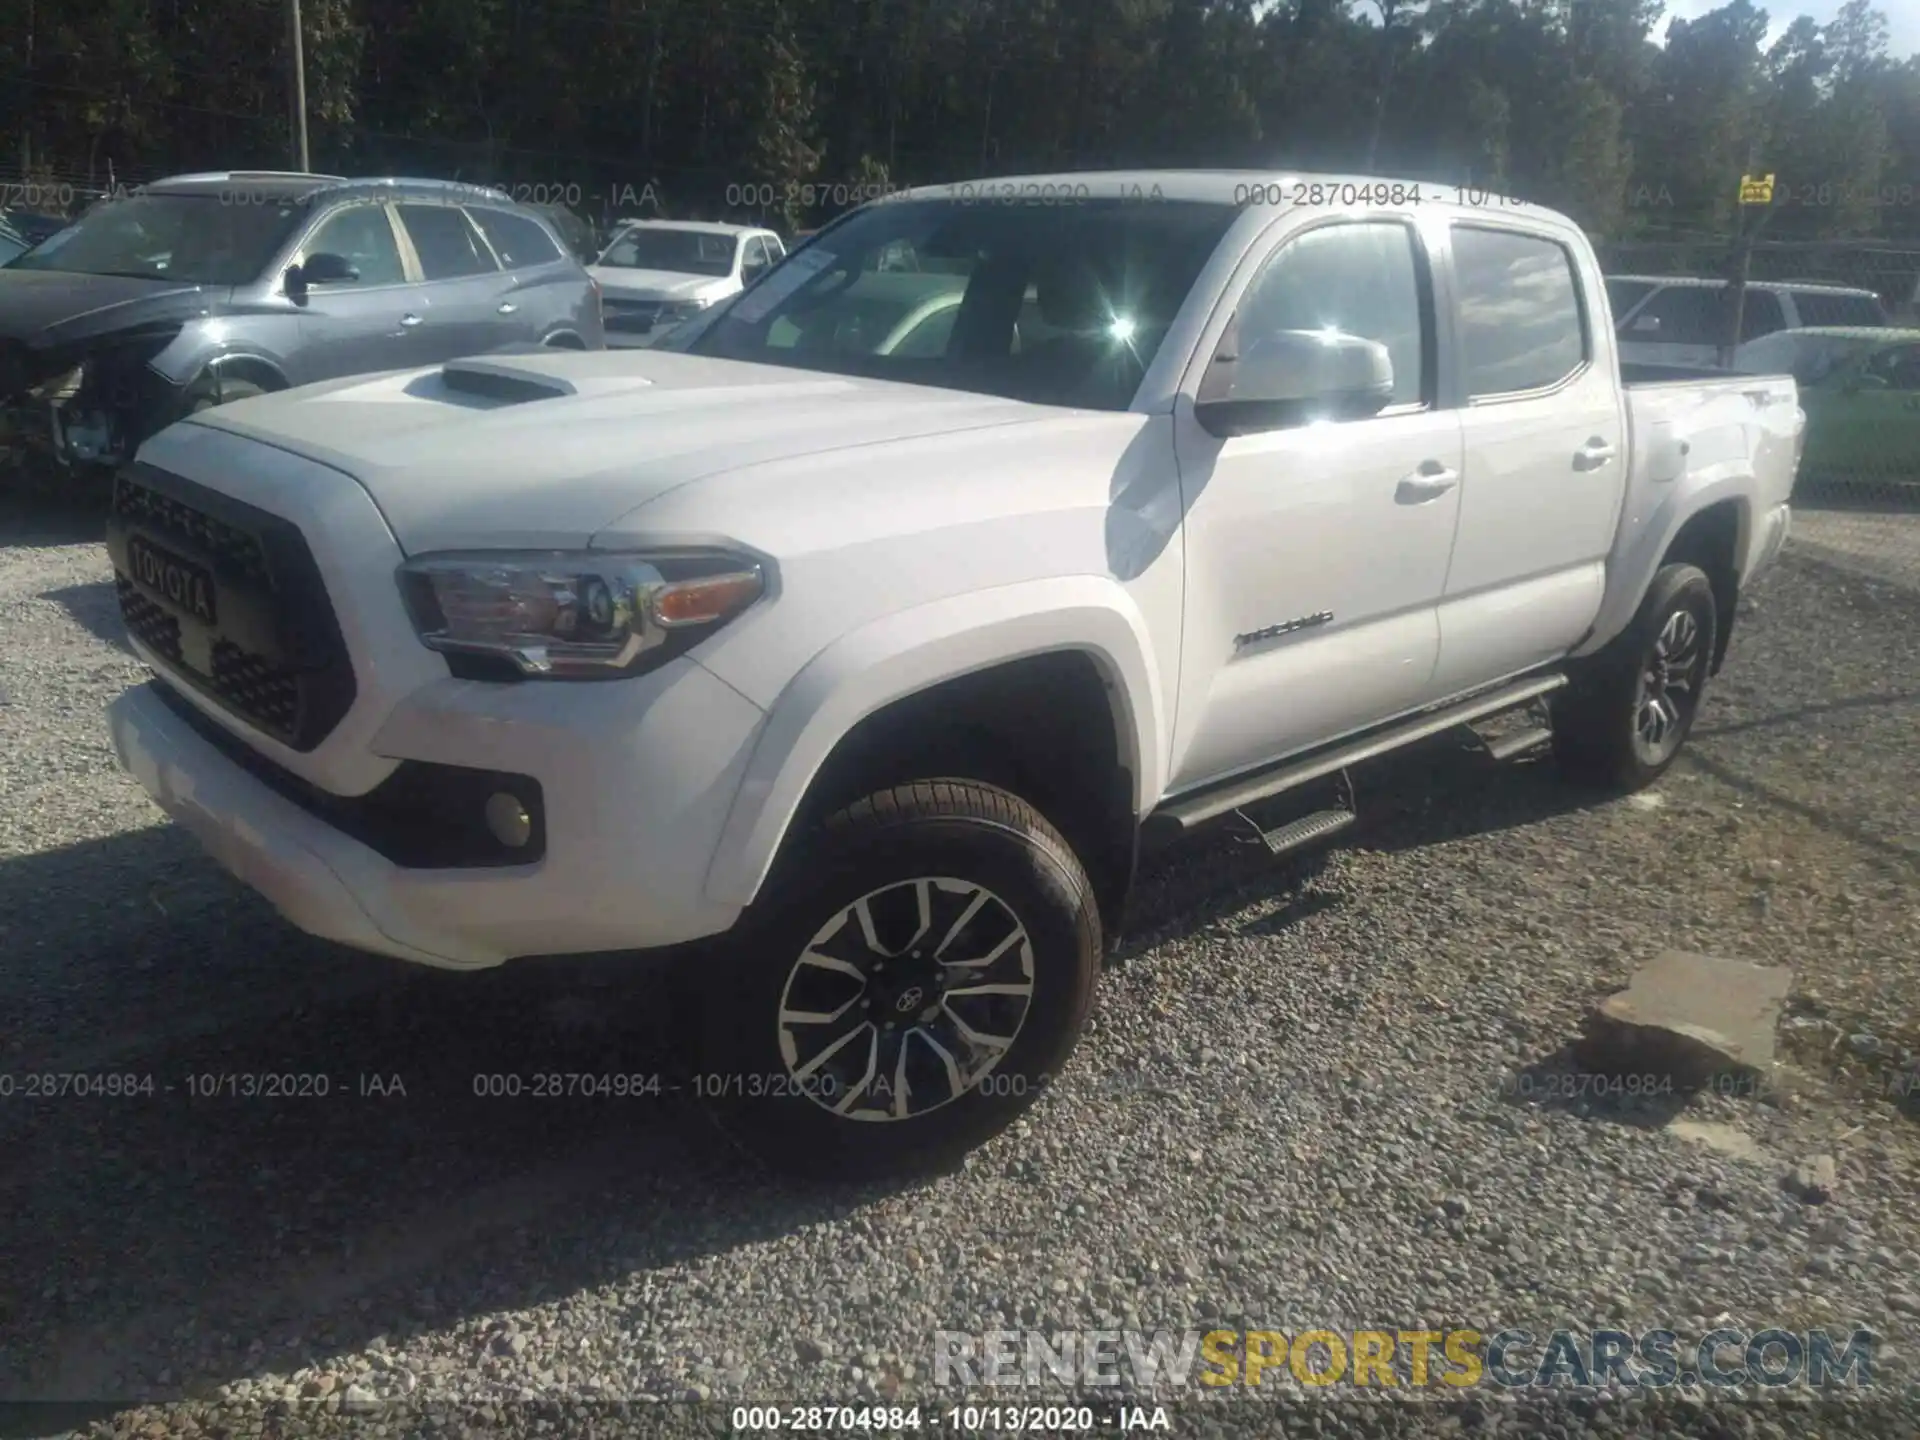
579,615
62,386
674,311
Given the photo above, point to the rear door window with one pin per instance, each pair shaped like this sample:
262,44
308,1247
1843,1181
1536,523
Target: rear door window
446,242
517,240
1678,315
1898,367
1760,314
1521,326
1818,307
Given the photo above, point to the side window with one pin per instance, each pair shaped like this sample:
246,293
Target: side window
1899,367
1760,314
928,339
1362,280
363,235
1820,307
776,251
1521,326
518,241
754,260
1678,315
446,242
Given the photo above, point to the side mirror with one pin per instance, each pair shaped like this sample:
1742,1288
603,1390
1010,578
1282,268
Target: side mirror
1294,376
325,268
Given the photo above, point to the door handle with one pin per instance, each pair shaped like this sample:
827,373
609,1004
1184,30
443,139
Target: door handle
1429,482
1592,455
507,307
409,320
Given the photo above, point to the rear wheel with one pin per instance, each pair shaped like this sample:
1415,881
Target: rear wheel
909,990
1629,709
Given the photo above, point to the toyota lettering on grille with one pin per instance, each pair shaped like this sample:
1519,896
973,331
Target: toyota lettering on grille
168,578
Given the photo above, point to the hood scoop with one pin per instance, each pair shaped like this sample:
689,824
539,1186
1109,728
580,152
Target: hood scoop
500,381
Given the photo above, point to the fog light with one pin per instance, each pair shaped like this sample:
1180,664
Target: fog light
507,818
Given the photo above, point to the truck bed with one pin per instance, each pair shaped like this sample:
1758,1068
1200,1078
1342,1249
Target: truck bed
1697,435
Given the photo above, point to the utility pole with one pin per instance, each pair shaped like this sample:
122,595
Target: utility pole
1756,193
299,91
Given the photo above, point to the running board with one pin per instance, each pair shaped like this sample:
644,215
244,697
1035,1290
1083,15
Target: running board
1307,830
1518,742
1194,810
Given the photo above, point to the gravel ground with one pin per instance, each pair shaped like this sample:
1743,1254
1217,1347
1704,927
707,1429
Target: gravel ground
1298,1106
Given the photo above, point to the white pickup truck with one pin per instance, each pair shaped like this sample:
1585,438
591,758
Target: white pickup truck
854,675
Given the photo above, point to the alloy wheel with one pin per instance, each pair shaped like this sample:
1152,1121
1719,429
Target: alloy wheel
906,1000
1669,688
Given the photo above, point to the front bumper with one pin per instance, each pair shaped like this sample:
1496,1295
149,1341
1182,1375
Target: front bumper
637,775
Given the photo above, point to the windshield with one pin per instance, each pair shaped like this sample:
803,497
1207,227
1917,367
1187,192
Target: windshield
1062,305
686,252
1810,359
198,239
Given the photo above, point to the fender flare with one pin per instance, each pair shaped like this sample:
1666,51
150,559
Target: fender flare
907,652
241,360
1630,571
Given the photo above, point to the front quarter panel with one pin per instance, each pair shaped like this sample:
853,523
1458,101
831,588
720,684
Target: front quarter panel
259,330
900,565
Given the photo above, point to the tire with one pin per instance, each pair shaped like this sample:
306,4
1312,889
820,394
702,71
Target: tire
212,391
1603,733
964,865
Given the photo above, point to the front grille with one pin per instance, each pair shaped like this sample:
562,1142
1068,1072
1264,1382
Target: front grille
632,317
270,649
152,510
422,816
257,687
147,622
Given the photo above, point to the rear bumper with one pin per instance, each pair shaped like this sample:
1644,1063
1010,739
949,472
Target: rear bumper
1769,539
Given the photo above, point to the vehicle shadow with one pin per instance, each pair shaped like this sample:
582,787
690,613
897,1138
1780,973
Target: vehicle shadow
414,1149
211,1228
319,1148
1441,789
96,609
37,512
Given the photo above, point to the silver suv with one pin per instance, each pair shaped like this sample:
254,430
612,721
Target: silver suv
199,289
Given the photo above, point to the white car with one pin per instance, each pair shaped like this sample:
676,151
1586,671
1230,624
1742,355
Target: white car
1681,319
656,273
853,672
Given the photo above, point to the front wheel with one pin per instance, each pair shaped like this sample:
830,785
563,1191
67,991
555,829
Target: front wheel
1623,718
215,390
910,988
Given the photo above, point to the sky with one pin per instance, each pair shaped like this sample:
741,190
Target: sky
1903,18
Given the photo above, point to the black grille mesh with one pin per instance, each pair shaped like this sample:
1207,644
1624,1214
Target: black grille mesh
152,626
264,692
230,549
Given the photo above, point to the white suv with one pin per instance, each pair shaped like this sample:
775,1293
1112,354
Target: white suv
656,273
1678,319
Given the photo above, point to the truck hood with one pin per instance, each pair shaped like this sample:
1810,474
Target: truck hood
49,309
624,283
544,451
